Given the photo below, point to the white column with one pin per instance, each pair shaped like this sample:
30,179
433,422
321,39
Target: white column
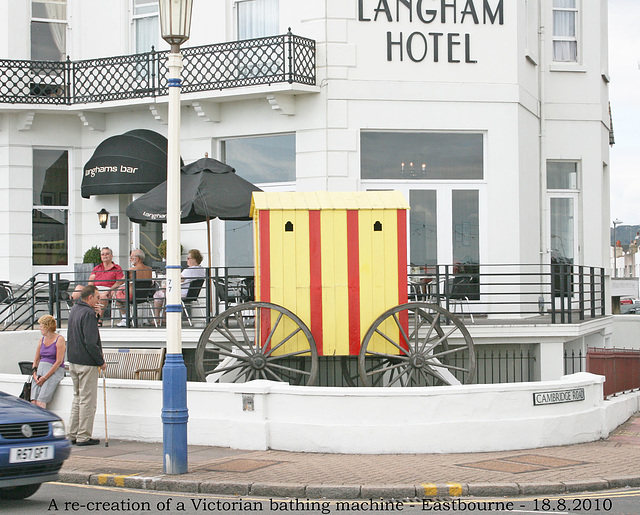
551,360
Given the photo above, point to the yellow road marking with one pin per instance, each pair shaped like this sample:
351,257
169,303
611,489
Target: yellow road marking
118,479
449,489
430,489
455,489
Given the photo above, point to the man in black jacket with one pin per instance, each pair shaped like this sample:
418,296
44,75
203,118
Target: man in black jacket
84,353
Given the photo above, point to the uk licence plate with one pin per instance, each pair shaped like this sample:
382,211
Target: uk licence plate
24,454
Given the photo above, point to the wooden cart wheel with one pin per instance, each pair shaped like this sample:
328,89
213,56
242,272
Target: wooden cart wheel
257,340
416,349
349,369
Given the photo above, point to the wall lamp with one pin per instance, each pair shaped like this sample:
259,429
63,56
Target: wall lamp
103,217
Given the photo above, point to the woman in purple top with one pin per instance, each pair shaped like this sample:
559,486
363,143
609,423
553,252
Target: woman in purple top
48,365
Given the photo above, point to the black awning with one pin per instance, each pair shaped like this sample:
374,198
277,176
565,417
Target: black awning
133,162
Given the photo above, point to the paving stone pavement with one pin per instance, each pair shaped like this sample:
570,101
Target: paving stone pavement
610,463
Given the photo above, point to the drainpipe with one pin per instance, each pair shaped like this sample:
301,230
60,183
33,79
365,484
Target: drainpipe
544,229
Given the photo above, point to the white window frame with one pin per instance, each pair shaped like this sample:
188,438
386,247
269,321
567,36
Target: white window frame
574,195
69,208
134,25
236,3
64,22
559,39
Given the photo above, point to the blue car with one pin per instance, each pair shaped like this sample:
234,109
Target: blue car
33,446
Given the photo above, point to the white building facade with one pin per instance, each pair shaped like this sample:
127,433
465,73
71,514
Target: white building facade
490,116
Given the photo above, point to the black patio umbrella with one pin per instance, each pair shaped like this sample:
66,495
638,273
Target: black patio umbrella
208,189
133,162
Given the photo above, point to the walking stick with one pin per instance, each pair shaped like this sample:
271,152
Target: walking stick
104,391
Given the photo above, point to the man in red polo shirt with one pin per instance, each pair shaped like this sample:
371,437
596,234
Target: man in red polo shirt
107,276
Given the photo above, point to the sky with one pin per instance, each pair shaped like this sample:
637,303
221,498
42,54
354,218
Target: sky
624,95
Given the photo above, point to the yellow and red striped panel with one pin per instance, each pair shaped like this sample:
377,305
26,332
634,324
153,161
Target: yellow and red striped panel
321,256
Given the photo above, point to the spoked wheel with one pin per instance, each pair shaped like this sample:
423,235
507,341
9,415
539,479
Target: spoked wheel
408,346
257,340
349,369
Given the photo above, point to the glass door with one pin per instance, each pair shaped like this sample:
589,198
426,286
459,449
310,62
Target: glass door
563,247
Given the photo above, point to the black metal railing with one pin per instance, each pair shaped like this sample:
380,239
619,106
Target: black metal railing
574,362
560,293
277,59
493,366
536,293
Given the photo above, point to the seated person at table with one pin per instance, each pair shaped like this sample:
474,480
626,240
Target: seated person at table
194,271
107,276
139,272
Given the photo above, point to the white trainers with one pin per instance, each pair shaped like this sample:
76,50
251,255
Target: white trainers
123,323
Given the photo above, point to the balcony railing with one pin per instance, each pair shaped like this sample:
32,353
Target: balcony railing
562,293
554,294
277,59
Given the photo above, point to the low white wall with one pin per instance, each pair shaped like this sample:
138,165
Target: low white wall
470,418
17,346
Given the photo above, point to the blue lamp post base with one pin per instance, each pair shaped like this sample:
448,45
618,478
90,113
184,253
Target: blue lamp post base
174,414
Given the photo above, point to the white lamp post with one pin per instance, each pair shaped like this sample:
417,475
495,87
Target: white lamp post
175,23
616,222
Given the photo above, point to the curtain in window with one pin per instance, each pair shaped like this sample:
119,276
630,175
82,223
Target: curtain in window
147,31
146,25
565,45
257,18
58,11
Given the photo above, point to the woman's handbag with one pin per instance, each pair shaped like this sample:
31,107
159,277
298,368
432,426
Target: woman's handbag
26,391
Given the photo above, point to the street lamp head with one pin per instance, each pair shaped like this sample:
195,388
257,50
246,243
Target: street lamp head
617,222
175,20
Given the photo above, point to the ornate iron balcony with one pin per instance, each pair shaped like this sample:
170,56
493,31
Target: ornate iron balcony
278,59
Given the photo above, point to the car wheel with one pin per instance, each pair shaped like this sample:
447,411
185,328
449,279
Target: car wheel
19,492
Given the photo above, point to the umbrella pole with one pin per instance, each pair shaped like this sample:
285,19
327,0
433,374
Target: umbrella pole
209,251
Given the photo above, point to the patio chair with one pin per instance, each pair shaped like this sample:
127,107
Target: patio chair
247,290
461,288
143,290
227,293
7,303
62,294
191,300
25,367
143,296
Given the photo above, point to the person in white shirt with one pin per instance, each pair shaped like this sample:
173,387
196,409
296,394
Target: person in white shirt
192,272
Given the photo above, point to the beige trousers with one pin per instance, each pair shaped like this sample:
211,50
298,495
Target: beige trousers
85,396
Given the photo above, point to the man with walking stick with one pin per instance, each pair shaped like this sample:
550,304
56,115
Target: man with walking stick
84,353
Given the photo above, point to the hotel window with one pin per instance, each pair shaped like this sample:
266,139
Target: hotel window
262,159
146,25
421,155
50,214
268,161
562,175
257,18
565,30
48,30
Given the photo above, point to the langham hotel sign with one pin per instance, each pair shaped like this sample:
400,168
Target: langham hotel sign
430,42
